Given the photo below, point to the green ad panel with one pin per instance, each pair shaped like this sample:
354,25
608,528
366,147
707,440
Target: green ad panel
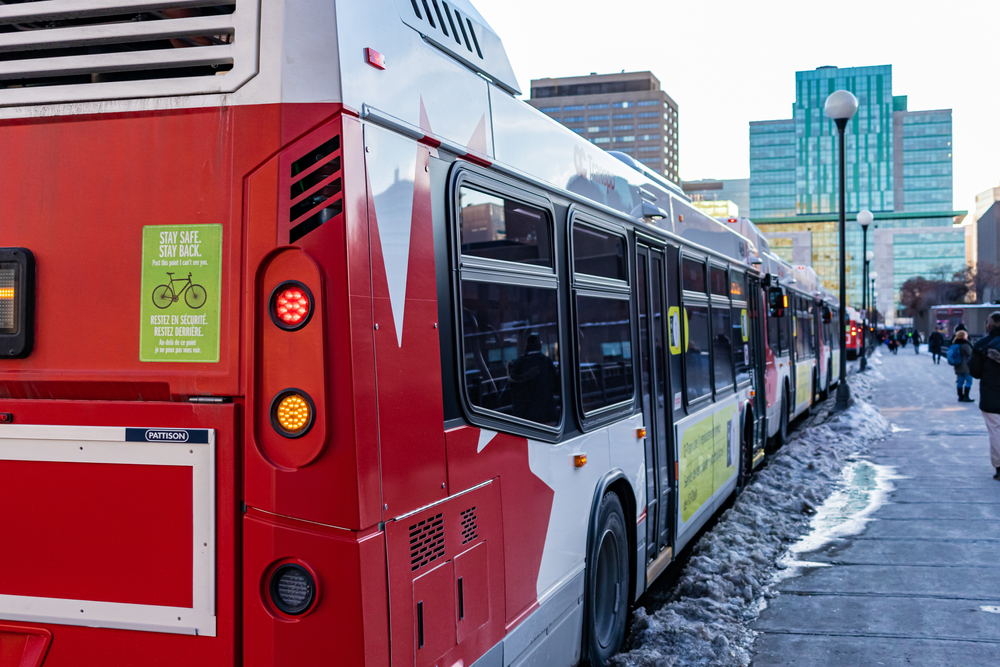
803,377
726,445
697,476
181,293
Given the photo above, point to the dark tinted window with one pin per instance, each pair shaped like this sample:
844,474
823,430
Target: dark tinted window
693,275
511,347
773,338
720,282
493,227
741,344
605,340
737,286
696,352
599,253
722,347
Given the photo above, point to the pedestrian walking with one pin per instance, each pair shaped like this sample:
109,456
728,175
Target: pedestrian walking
959,355
985,366
916,342
934,343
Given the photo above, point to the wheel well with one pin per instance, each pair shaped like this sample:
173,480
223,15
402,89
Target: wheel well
623,490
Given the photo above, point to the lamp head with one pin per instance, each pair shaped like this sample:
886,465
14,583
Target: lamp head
869,256
873,275
841,105
865,217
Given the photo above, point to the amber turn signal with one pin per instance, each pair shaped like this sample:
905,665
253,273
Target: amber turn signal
292,413
640,433
579,460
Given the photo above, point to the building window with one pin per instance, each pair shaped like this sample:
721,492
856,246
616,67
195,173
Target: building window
594,119
623,116
649,137
597,128
549,109
625,149
623,105
648,103
601,140
575,107
648,114
623,128
578,130
597,106
650,160
626,138
648,149
573,119
648,126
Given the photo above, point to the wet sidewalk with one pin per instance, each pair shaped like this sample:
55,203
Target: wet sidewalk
920,585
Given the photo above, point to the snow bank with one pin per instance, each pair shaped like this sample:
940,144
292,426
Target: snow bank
724,586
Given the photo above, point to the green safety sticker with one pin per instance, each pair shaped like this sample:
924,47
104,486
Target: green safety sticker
181,293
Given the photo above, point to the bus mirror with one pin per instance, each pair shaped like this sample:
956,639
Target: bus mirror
827,315
776,301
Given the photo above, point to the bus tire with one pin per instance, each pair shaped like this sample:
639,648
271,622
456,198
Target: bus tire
607,582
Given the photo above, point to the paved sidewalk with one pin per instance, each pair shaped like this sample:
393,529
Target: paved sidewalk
909,590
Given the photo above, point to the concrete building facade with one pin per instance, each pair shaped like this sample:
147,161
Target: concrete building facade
898,165
626,112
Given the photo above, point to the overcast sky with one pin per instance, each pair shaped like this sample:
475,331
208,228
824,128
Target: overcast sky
729,62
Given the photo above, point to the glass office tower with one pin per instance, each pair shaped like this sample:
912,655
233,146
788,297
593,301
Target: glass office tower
898,164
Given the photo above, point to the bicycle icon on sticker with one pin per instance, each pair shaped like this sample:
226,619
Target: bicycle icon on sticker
195,295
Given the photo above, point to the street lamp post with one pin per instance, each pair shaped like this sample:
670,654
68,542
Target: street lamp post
841,106
870,298
865,218
871,287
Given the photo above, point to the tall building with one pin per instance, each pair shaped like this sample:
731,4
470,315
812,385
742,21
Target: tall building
624,112
736,190
898,165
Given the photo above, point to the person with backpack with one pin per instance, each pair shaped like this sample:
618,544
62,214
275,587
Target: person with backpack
934,343
959,355
985,366
916,341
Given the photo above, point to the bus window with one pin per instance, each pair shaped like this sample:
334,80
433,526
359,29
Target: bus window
674,330
773,337
510,330
497,228
720,284
599,253
696,352
802,329
741,342
604,337
511,350
722,347
693,275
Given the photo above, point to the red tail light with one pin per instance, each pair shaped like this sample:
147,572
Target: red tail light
291,305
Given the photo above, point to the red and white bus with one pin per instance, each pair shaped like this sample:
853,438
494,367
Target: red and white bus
318,345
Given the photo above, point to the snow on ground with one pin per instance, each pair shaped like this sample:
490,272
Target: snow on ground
726,582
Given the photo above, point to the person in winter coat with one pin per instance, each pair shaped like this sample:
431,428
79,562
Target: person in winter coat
916,341
934,344
963,379
985,365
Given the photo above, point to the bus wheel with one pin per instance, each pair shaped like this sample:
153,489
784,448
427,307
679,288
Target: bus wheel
607,583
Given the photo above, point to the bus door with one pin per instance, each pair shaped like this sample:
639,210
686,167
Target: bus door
650,293
756,360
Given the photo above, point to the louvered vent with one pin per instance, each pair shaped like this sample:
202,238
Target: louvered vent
457,28
426,542
66,50
440,16
315,195
469,525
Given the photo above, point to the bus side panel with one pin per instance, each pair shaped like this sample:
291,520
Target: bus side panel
82,646
407,346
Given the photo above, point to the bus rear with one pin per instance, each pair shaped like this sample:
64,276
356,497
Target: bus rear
181,467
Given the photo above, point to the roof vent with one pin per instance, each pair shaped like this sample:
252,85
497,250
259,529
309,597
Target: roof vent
54,51
457,28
